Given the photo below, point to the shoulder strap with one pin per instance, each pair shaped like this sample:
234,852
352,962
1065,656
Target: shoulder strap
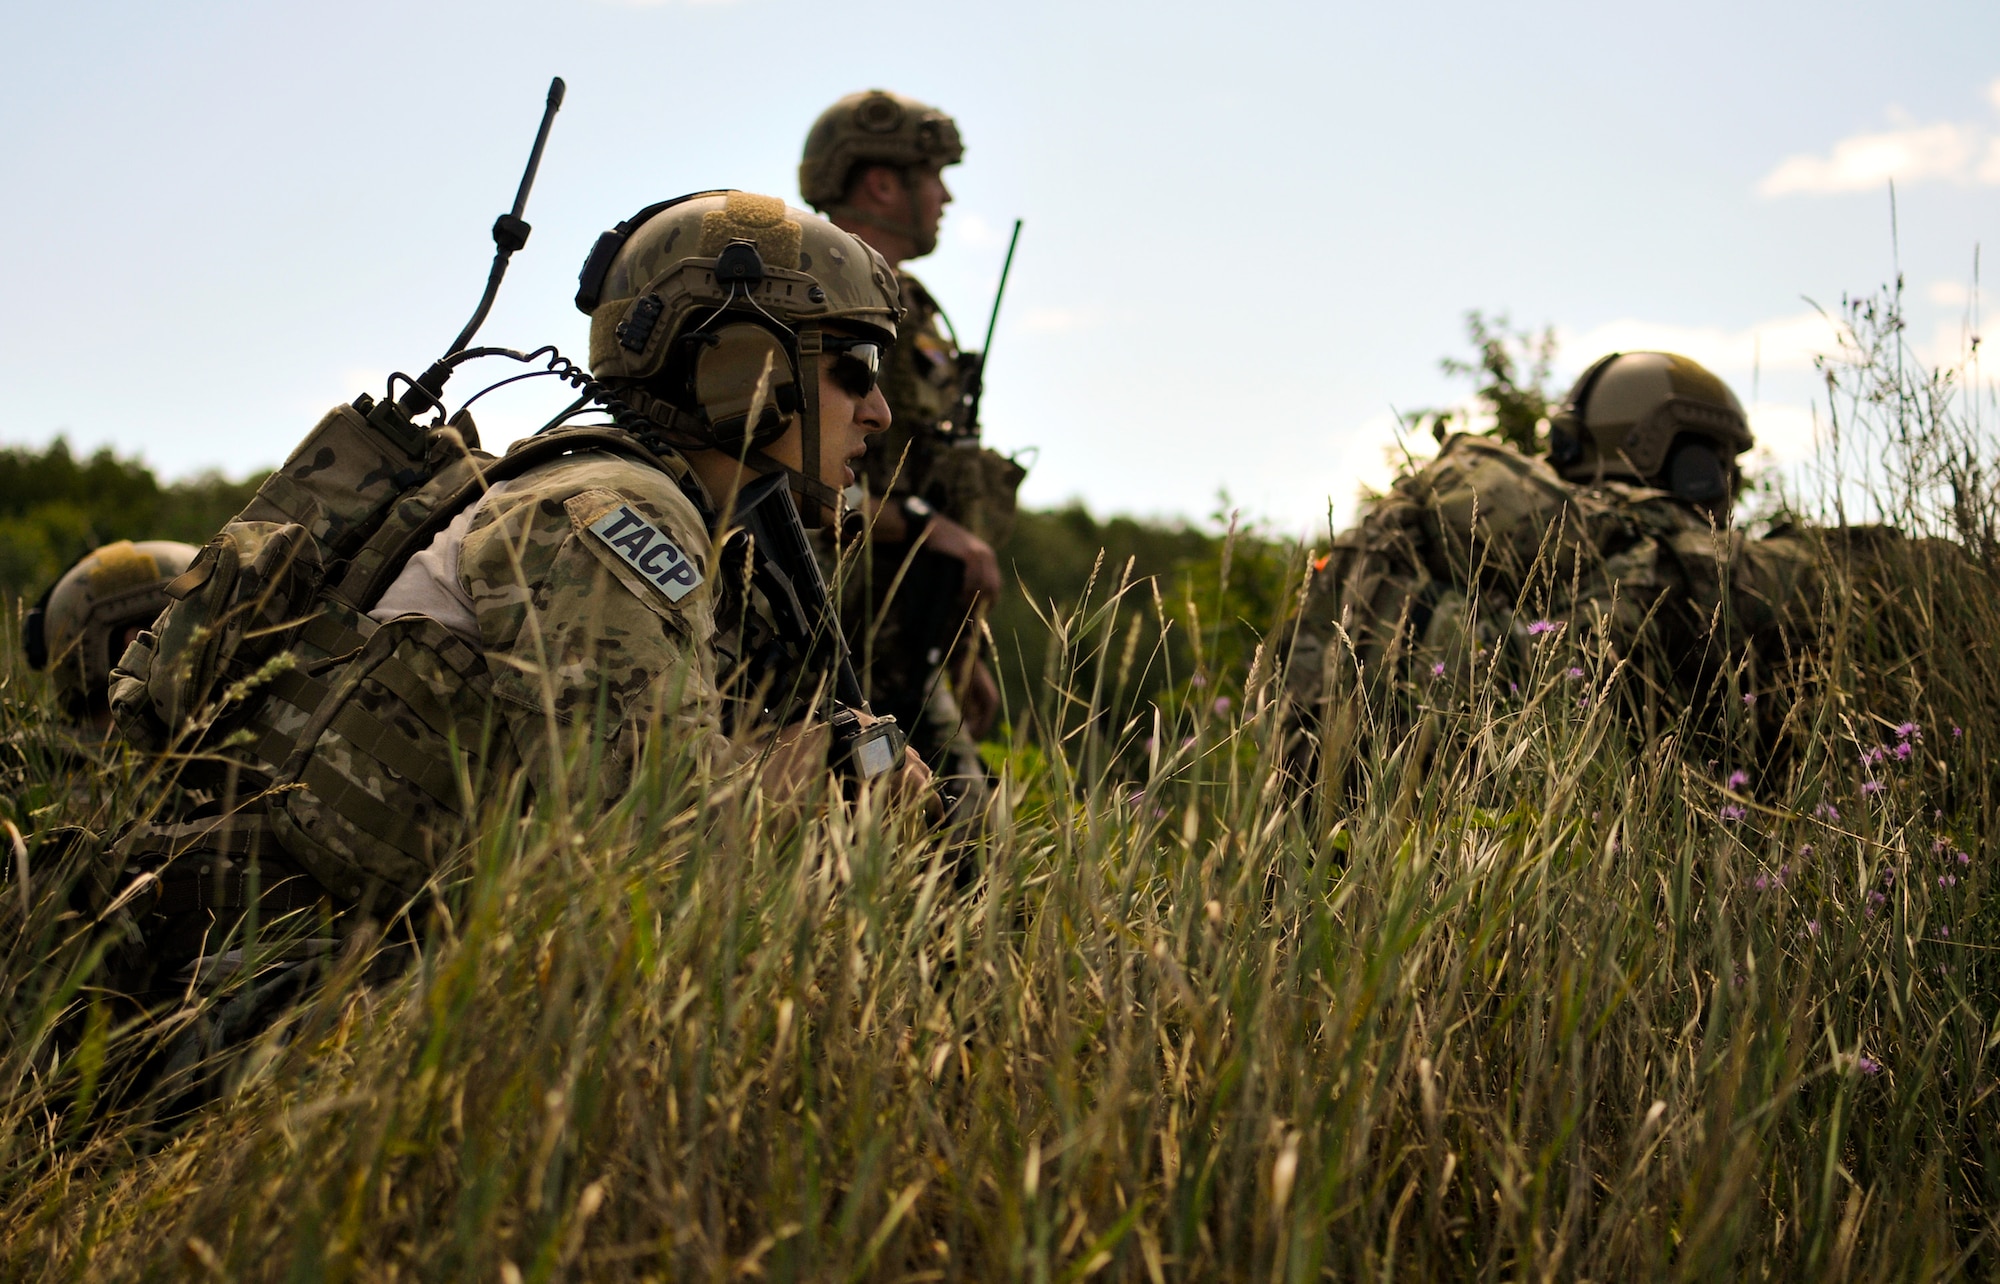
431,507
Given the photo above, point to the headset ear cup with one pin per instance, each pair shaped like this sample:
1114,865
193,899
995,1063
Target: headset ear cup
727,369
35,639
35,631
1565,448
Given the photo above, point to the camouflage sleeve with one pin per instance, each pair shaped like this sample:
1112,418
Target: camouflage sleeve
589,581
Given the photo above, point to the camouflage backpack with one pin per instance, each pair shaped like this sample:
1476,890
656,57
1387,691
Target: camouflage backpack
355,750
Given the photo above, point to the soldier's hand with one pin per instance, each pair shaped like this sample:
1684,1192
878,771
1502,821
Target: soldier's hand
913,786
797,759
982,565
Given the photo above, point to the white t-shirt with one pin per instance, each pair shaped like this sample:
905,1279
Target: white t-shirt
429,585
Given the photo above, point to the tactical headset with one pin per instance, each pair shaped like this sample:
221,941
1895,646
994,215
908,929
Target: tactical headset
728,358
1694,471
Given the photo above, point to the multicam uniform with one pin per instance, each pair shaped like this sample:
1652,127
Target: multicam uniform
1487,550
590,584
902,668
382,597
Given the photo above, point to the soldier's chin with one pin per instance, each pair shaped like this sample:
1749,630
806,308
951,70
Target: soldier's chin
846,476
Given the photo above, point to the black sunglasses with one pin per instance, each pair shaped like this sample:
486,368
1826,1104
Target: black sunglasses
857,364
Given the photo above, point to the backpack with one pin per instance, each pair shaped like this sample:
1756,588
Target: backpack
357,749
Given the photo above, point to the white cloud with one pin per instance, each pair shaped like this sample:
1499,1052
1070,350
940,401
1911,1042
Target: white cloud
975,230
1786,433
1783,343
1942,151
1865,162
1947,294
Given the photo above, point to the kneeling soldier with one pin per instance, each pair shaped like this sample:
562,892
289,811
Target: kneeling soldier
398,620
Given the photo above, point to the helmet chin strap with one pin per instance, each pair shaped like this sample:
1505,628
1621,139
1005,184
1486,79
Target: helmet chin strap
809,472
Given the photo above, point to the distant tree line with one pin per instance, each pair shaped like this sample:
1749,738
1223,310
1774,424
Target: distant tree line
55,507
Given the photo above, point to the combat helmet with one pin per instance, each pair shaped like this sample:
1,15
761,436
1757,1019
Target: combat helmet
77,630
876,127
1652,418
692,301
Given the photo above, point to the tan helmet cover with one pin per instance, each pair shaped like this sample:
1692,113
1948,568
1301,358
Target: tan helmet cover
116,587
872,127
1628,408
663,279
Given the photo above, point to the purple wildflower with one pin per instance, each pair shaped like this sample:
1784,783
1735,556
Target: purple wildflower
1198,681
1805,851
1575,672
1513,688
1731,812
1958,733
1937,845
1868,1065
1947,880
1827,811
1540,627
1944,931
1888,876
1437,670
1749,698
1870,757
1222,704
1812,927
1963,859
1762,883
1738,779
1871,786
1902,751
1909,731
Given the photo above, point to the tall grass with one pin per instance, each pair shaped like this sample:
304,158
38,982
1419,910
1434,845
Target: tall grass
1538,1002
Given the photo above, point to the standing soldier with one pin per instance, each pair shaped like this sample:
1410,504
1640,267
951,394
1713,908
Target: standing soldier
937,502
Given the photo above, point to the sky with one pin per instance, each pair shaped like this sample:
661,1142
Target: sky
1251,231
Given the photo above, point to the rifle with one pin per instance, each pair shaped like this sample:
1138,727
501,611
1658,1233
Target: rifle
934,583
784,568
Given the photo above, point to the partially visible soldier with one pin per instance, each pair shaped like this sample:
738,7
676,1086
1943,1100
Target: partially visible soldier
91,614
873,165
1619,540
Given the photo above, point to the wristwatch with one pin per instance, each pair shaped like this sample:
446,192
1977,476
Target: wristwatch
917,514
859,753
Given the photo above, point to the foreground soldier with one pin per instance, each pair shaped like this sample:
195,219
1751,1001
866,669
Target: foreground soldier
591,588
873,165
1619,542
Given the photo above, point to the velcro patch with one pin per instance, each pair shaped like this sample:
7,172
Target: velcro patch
641,545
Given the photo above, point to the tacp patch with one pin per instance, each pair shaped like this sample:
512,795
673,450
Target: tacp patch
641,545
